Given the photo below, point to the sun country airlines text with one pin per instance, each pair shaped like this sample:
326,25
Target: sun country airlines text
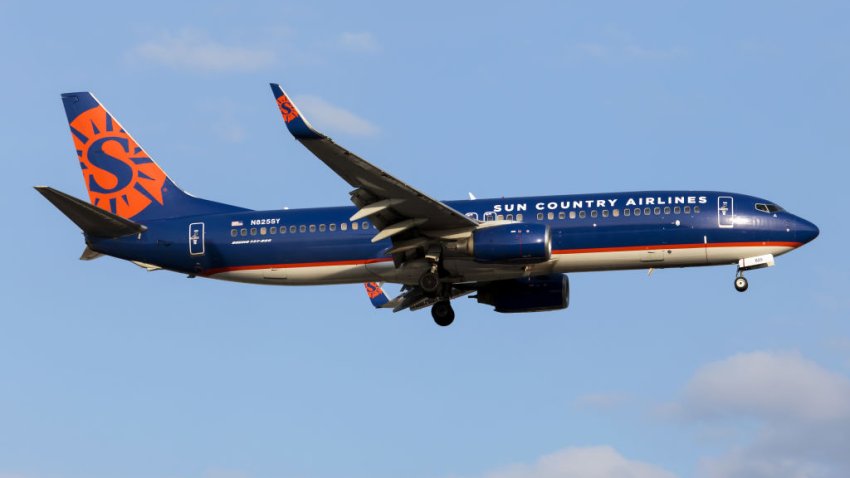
601,203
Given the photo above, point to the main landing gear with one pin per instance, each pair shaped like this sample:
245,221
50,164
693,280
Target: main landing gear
443,313
430,281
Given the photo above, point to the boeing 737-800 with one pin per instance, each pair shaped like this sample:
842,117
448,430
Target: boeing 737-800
511,253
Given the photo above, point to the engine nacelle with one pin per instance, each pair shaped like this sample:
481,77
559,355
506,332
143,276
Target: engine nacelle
512,243
529,294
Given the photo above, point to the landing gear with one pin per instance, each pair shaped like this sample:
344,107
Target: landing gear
430,281
741,283
443,313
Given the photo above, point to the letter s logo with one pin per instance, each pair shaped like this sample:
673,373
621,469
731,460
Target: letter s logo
121,171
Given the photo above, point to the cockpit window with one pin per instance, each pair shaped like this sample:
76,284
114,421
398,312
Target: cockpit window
769,208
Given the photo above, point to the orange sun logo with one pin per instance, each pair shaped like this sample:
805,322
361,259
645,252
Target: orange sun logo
119,175
373,289
286,109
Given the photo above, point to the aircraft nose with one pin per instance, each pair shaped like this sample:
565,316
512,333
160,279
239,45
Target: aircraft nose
806,231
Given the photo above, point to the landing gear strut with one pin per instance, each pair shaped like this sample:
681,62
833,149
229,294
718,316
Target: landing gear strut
741,283
443,313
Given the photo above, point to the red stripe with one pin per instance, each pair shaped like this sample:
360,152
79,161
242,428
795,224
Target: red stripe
680,246
352,262
356,262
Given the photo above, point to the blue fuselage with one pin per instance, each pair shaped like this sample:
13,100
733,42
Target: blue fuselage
589,232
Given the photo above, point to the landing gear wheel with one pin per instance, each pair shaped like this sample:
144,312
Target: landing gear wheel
430,282
443,313
741,284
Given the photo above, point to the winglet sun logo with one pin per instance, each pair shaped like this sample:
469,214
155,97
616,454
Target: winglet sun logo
286,109
119,175
373,290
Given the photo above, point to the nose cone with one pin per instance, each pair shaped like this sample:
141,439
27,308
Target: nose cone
806,231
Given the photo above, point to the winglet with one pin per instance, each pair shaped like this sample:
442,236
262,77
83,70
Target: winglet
376,295
296,123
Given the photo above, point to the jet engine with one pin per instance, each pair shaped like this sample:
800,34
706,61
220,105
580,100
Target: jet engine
528,294
512,243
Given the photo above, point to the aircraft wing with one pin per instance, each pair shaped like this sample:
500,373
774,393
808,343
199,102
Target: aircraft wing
393,206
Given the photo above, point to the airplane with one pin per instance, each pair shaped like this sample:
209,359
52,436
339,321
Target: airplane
510,253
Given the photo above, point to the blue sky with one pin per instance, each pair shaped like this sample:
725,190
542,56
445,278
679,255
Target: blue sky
107,370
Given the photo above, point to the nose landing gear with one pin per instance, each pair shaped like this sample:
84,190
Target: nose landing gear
750,263
741,283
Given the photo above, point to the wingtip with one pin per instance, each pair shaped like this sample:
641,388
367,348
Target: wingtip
296,123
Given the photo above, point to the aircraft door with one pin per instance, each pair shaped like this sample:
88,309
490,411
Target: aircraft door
725,211
196,239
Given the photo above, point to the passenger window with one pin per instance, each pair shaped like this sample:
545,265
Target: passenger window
292,229
539,216
355,226
233,233
615,213
687,209
509,217
667,210
283,229
550,216
332,227
572,214
677,210
273,230
472,215
500,217
593,213
637,211
263,231
582,214
302,228
519,217
562,215
243,232
627,212
365,225
321,228
696,209
489,216
343,226
657,210
646,211
312,228
253,231
604,213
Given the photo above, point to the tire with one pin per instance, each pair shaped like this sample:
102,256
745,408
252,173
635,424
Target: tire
443,313
741,284
429,282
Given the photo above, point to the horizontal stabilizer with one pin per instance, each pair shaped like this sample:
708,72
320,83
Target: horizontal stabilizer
93,220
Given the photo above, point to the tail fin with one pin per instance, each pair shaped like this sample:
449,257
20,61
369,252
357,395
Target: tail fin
120,176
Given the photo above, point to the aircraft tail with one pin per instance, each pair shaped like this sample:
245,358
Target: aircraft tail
120,176
92,220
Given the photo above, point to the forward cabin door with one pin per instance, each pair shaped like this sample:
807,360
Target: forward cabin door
725,211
